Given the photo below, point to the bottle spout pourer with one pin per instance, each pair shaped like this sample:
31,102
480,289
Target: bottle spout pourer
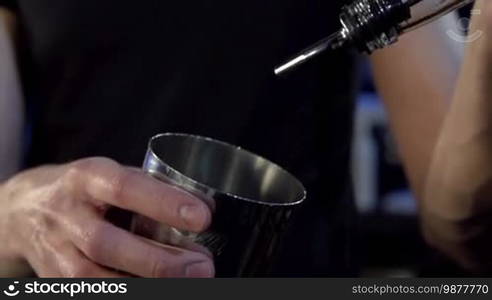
331,42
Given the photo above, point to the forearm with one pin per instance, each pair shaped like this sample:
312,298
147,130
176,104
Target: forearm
415,78
11,110
457,204
11,120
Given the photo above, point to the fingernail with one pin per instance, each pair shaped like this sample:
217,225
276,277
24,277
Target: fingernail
202,269
195,216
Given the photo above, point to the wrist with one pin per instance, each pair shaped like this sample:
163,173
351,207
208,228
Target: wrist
12,263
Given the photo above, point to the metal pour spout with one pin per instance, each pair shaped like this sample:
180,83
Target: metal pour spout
331,42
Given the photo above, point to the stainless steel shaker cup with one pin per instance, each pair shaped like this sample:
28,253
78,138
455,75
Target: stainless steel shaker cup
250,197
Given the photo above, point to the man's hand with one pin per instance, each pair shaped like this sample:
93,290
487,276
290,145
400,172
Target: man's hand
457,207
53,217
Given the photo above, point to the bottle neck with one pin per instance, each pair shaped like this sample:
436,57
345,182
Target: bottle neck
372,24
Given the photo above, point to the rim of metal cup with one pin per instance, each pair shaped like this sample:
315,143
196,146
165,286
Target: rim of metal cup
233,147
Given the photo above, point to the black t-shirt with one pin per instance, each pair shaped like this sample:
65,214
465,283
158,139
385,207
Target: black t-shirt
101,77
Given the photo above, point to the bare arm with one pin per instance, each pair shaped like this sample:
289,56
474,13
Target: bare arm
416,78
457,206
11,120
11,111
443,125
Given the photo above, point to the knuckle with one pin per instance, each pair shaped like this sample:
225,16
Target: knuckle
71,176
77,170
80,166
88,165
92,243
82,172
92,250
117,184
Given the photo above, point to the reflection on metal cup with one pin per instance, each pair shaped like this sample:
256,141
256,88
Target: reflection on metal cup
250,197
